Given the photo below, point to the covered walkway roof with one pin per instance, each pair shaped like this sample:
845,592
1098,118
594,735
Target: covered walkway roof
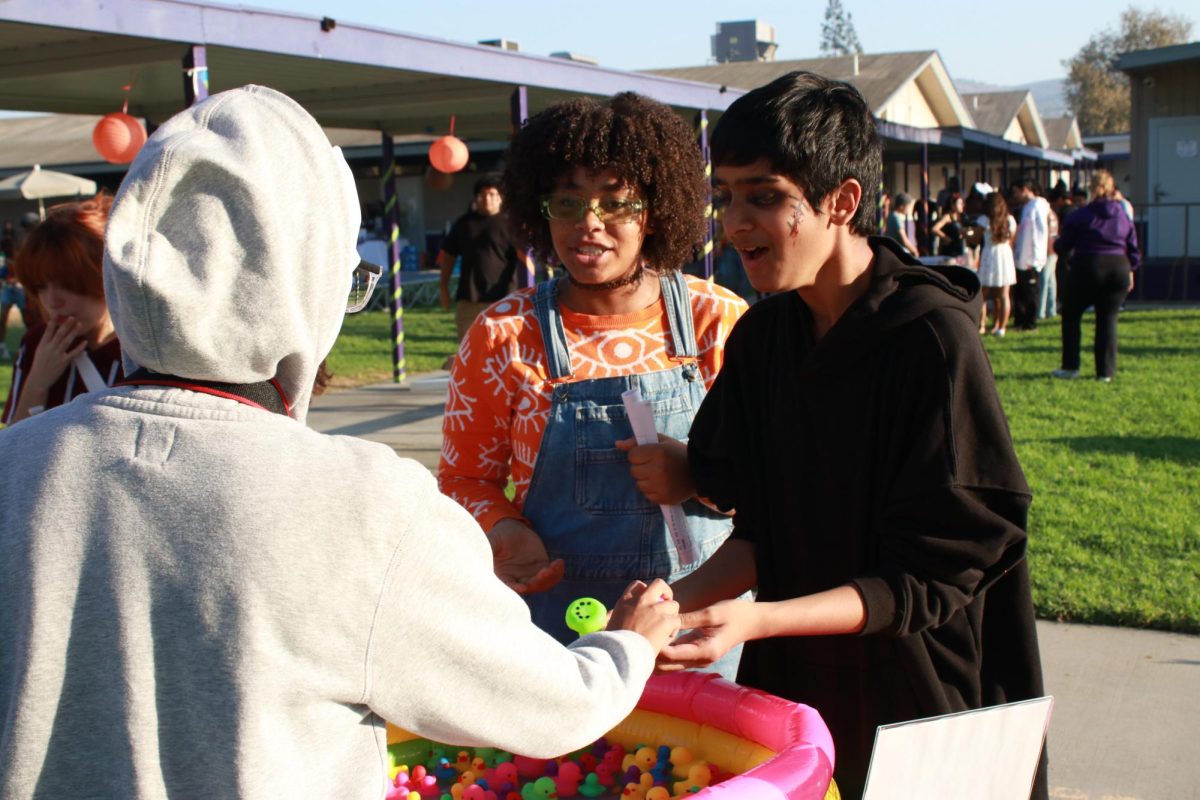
75,57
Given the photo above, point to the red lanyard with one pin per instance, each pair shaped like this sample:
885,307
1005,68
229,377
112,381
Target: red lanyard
267,395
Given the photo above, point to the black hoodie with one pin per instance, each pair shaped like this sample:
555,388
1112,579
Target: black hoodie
878,456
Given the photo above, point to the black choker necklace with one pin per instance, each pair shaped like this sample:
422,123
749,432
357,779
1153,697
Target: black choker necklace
633,277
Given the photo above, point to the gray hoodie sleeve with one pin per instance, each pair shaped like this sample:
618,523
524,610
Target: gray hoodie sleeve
469,667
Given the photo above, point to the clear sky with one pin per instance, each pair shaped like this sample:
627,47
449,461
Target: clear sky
1010,43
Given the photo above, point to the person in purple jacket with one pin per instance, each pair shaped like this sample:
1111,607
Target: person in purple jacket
1103,248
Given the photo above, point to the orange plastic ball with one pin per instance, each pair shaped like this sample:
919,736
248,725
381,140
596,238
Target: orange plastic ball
448,154
118,137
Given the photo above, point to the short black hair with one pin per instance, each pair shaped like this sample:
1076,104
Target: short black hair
1026,182
487,182
815,131
646,146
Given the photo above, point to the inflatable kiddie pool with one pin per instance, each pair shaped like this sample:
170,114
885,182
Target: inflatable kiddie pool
774,748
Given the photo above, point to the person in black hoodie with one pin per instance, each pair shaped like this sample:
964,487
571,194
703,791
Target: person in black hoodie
856,429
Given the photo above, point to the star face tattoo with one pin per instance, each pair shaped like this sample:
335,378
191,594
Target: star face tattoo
797,216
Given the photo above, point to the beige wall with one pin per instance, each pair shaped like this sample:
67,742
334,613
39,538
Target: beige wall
909,107
1015,132
1169,90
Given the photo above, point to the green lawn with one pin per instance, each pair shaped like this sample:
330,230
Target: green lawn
1115,468
363,355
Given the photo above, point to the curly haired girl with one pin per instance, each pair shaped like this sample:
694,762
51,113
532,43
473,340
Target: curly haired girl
615,191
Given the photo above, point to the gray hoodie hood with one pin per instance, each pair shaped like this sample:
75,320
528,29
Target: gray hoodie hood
231,243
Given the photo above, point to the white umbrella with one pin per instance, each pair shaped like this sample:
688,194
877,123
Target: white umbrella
39,184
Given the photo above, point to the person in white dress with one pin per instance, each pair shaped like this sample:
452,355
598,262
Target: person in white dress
997,269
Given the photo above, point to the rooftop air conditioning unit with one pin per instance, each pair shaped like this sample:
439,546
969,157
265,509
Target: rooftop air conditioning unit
503,44
569,56
747,40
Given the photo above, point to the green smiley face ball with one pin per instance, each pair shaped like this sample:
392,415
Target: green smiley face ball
586,615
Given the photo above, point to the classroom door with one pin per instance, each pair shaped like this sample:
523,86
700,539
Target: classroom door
1174,161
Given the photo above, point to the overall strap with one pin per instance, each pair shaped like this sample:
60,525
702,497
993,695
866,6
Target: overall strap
267,395
554,336
679,315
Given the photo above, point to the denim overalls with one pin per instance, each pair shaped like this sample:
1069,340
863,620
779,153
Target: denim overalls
582,500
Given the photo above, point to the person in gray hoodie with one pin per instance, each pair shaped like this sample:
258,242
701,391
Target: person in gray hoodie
205,598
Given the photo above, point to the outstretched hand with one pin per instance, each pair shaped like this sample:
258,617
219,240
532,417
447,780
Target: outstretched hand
709,634
660,470
519,558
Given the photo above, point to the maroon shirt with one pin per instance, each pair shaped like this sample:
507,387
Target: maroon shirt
70,385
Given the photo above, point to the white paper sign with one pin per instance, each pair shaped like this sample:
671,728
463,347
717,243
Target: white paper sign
988,754
641,419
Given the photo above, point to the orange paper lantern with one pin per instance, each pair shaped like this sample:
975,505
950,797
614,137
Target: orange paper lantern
117,137
448,154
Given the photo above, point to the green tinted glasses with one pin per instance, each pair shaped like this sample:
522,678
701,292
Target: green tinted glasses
572,208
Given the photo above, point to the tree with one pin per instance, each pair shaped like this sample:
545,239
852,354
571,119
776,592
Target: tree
1097,92
838,37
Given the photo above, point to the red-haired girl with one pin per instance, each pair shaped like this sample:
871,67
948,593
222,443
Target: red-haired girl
76,349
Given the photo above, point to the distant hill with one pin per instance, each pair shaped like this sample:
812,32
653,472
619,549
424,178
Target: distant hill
1049,96
967,86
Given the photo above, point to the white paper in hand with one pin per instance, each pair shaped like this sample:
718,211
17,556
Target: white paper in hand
641,417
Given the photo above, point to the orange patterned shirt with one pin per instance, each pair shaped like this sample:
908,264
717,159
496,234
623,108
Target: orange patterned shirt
500,395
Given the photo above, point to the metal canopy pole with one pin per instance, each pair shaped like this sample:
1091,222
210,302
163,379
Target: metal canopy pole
925,243
518,109
195,74
706,157
1004,171
387,171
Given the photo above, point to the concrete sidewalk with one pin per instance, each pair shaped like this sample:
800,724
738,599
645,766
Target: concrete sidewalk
407,417
1126,702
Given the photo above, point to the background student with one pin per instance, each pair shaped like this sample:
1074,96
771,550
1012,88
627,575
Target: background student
76,349
1101,243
